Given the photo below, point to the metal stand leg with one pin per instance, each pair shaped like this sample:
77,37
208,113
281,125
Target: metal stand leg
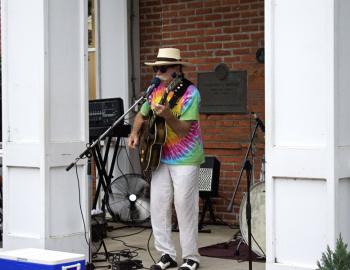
208,205
248,169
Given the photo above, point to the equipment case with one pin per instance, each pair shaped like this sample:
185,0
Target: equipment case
40,259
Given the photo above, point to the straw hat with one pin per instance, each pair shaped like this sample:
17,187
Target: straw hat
168,56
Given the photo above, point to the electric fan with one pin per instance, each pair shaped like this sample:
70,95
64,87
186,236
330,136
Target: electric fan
126,199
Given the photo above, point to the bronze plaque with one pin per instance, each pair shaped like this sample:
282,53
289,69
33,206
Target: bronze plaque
223,91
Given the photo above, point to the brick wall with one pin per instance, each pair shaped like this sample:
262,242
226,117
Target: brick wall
208,33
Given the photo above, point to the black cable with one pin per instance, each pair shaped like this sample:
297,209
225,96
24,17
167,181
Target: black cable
120,170
88,242
258,245
148,249
127,154
118,240
131,234
233,227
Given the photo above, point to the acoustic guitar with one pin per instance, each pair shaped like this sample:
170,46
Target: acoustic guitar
154,133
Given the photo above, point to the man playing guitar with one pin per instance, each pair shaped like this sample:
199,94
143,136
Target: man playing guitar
176,177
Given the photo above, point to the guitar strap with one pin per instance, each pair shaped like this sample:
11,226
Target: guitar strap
179,92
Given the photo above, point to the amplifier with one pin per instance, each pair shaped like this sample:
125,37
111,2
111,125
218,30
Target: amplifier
103,112
209,174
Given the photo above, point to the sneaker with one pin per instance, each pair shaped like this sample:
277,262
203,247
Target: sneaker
189,265
165,262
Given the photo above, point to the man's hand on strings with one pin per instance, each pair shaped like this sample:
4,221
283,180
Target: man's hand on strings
162,110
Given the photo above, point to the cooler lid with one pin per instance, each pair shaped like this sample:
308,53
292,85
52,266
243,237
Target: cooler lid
41,256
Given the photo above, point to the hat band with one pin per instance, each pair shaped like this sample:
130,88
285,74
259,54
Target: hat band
168,59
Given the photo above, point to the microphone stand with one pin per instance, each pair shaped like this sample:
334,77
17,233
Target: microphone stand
246,166
230,206
90,151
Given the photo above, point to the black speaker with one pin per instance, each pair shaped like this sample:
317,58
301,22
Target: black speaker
209,174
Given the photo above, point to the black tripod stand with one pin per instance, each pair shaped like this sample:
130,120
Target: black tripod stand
247,167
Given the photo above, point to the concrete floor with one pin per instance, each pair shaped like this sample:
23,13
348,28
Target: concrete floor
218,234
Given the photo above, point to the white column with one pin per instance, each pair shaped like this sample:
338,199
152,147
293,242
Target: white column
307,130
44,54
114,49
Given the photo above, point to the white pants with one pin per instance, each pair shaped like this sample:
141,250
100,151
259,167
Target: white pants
178,182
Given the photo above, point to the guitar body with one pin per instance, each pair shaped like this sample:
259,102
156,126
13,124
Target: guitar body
151,143
153,136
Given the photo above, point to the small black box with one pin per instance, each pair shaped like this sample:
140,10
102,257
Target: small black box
209,174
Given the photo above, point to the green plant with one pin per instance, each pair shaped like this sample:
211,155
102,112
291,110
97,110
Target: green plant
339,259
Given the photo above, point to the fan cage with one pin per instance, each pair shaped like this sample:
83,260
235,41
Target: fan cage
119,202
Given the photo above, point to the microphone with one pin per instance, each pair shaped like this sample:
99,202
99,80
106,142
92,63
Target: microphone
259,122
154,84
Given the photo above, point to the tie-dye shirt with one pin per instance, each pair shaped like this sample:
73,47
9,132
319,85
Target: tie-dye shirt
178,150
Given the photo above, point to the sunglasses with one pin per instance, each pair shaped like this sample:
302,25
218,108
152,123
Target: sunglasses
162,69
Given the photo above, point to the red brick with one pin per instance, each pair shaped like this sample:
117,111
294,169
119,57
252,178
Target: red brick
196,47
205,39
241,51
250,28
222,23
194,5
249,14
212,3
213,17
178,7
223,38
222,53
231,59
204,25
205,53
235,44
203,11
214,45
177,20
240,37
222,9
169,1
257,20
197,32
186,13
229,30
215,31
230,2
170,14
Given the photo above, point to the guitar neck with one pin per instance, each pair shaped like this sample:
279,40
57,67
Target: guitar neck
164,97
169,88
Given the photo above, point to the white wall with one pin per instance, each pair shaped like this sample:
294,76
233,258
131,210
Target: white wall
342,116
307,149
44,50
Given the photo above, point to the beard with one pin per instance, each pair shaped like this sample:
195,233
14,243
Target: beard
163,78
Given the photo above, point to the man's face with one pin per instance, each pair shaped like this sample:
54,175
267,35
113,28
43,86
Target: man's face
165,73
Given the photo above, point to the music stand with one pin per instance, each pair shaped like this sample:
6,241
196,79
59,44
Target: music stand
247,167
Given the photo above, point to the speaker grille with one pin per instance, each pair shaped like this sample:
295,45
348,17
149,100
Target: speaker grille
205,177
209,174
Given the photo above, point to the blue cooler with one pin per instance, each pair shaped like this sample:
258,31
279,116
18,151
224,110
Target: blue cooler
40,259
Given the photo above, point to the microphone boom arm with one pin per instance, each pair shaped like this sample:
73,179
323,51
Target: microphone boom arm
104,134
